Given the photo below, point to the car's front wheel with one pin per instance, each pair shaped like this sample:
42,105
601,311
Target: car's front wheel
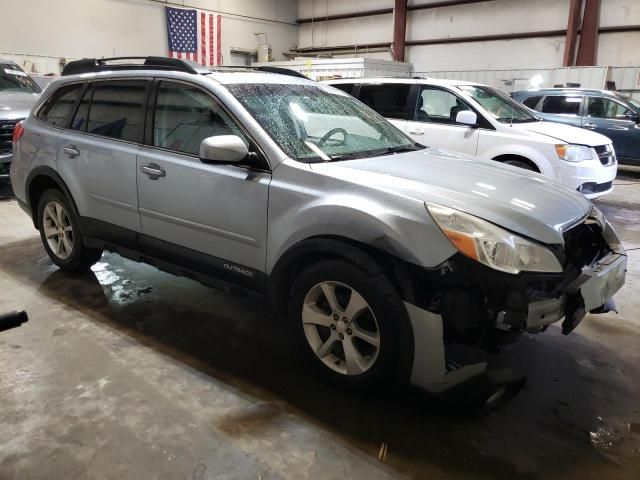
60,233
350,324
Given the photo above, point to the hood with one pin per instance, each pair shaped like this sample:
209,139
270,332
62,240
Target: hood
565,133
16,105
526,203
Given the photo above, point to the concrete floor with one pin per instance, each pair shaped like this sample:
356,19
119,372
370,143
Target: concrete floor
129,372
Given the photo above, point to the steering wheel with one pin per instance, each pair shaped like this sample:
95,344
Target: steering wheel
331,133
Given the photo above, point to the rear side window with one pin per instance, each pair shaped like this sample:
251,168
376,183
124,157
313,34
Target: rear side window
532,102
79,121
58,106
562,104
116,109
388,100
345,87
186,115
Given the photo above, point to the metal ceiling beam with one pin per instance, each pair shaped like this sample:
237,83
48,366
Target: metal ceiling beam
399,29
388,11
587,49
573,25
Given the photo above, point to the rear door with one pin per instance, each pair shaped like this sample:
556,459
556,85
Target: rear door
612,119
209,217
434,121
562,109
97,156
391,100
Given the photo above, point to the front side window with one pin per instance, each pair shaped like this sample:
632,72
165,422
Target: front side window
56,109
438,106
186,115
117,109
14,79
501,107
315,123
599,107
388,100
562,105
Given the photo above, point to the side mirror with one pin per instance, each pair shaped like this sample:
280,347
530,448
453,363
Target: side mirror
467,117
634,117
223,149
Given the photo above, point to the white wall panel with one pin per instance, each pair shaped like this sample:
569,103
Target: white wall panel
95,28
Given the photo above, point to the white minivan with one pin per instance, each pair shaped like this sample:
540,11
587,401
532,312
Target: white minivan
483,122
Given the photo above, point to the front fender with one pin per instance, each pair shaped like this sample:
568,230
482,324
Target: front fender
541,161
407,233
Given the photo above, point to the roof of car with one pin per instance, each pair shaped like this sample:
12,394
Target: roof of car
419,80
568,90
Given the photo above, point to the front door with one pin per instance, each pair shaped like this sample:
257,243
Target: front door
207,217
612,119
434,123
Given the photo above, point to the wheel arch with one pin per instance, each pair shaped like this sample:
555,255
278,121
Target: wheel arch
40,180
512,156
311,250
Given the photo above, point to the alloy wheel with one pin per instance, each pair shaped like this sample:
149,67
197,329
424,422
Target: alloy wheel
58,230
341,328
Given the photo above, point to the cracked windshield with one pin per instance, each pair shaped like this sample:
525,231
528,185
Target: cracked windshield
319,124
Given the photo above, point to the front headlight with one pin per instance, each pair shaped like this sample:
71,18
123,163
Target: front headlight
491,245
573,153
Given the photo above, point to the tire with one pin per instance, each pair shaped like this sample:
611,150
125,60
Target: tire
521,164
365,350
60,233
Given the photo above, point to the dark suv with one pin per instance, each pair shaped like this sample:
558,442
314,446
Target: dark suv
605,112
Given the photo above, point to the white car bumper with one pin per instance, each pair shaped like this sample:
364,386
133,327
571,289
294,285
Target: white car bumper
592,178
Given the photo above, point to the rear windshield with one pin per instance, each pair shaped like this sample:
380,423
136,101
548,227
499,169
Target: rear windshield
14,79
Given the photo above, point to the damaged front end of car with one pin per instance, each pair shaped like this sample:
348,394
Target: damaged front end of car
477,309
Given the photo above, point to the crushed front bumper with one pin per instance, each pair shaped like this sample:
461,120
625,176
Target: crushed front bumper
464,303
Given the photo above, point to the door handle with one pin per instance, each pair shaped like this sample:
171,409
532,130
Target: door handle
416,131
589,125
71,151
153,171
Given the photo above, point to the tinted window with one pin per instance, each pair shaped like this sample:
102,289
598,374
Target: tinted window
58,106
186,115
438,106
79,121
562,104
116,109
532,102
605,108
388,100
345,87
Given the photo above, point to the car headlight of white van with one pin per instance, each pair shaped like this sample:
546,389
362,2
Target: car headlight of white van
573,153
491,245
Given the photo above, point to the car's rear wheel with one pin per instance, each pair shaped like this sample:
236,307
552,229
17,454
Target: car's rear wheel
349,324
60,233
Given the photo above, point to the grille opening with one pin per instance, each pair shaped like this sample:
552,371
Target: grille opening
6,134
584,245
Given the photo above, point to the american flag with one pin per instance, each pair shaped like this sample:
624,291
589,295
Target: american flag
194,35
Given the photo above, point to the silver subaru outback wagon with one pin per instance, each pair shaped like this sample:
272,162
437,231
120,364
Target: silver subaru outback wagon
386,258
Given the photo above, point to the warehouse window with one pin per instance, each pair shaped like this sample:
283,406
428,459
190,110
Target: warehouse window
57,107
561,104
116,109
186,115
388,100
